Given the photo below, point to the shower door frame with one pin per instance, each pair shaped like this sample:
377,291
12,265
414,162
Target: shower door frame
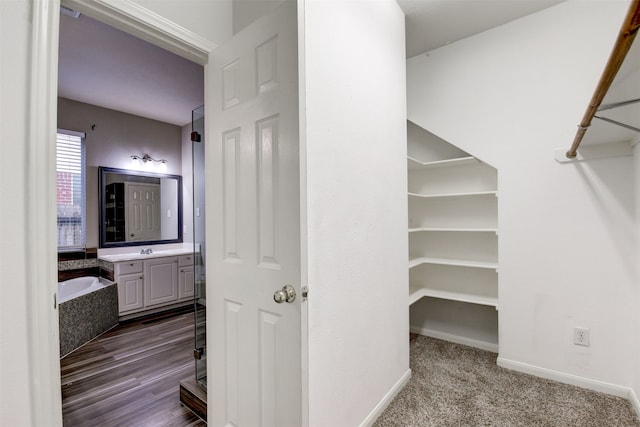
199,240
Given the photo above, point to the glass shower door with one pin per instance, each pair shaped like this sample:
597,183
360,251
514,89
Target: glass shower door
200,303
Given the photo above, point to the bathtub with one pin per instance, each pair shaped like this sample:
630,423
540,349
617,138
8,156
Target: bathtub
87,307
74,288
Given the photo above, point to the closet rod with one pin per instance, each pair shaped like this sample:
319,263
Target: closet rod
625,38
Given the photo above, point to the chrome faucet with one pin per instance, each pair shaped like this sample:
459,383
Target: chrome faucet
146,251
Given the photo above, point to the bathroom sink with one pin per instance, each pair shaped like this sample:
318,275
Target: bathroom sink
121,257
137,255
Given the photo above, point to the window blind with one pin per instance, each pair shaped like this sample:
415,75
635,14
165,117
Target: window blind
70,171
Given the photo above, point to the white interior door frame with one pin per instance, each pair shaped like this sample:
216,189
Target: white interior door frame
40,200
136,20
41,289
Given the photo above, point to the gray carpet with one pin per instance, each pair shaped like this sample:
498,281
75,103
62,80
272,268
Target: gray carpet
455,385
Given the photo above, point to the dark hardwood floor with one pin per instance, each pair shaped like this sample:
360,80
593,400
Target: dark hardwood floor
130,376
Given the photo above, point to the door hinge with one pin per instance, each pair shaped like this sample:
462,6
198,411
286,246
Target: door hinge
198,353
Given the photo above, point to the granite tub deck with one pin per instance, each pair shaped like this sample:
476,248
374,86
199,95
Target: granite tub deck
85,317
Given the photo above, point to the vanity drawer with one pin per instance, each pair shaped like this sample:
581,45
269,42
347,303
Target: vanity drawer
128,267
185,260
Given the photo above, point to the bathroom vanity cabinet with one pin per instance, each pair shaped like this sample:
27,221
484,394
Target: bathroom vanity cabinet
153,283
130,285
186,277
161,284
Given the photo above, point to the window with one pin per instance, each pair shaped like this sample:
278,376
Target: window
70,167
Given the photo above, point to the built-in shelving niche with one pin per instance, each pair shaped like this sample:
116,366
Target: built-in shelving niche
453,242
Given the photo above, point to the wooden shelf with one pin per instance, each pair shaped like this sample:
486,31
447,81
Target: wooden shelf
419,292
460,230
455,262
415,164
440,196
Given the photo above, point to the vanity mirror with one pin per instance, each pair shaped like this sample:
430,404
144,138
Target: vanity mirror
139,208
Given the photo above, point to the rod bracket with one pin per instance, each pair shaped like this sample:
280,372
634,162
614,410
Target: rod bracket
594,151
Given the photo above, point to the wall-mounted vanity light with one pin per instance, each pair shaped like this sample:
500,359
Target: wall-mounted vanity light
146,162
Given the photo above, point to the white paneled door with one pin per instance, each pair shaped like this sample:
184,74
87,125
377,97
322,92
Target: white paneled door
253,189
143,211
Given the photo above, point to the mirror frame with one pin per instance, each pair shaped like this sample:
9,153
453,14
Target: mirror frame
102,172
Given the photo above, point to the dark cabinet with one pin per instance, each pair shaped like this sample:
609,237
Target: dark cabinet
115,223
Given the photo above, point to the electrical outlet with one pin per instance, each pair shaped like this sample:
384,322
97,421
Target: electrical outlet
581,336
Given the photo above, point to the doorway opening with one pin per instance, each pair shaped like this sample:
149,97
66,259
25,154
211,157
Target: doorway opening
131,98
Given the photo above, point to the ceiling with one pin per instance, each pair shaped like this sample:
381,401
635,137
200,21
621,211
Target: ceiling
104,66
434,23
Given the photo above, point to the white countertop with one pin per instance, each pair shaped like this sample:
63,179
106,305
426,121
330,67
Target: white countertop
131,256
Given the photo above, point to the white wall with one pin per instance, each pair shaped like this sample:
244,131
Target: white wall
187,184
211,19
168,209
567,253
353,89
15,30
114,139
247,11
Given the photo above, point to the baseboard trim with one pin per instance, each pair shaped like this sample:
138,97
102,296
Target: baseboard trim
633,398
458,339
550,374
386,400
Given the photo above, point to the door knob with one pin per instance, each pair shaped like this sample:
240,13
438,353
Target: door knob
287,293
